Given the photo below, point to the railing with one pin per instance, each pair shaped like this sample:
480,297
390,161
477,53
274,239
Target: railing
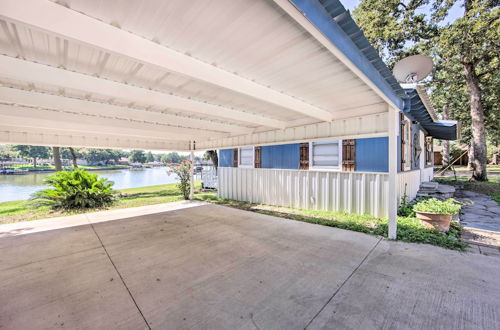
354,192
209,177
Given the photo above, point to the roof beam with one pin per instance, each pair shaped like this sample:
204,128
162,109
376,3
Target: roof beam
75,105
22,116
72,25
43,74
44,137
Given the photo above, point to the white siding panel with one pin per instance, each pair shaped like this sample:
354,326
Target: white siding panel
427,174
362,193
409,182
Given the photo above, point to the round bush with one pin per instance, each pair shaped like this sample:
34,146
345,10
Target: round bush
77,189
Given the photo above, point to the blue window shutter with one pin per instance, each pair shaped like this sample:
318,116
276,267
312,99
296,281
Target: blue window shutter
372,154
284,156
226,158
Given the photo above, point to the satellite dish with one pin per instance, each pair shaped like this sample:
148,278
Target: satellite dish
412,69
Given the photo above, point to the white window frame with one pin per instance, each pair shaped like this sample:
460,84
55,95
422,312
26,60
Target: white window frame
253,158
325,168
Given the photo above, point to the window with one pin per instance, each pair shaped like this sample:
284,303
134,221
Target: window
325,155
246,157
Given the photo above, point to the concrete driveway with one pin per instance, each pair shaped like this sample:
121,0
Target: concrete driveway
212,267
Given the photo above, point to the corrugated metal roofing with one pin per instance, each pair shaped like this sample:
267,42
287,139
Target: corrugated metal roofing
343,18
418,111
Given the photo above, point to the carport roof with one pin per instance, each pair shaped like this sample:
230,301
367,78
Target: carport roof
158,74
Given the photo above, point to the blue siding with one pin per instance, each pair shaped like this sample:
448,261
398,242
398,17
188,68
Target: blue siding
286,156
226,158
372,155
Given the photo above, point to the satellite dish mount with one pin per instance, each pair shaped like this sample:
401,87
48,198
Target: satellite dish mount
412,69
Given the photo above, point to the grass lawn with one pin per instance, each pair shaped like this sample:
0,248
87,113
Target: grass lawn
409,229
491,187
20,210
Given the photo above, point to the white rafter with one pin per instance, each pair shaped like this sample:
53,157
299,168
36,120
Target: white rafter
63,138
23,116
72,25
75,105
38,73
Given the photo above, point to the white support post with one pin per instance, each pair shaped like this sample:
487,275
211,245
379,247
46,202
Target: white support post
393,175
191,174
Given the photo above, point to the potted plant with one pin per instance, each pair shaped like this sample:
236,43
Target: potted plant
436,213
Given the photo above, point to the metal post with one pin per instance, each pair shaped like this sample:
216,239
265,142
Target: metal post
393,179
191,183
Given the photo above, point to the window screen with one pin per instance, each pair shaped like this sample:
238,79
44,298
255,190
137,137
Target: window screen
246,156
325,154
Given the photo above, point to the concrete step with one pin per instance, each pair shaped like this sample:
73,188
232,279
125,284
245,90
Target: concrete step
435,190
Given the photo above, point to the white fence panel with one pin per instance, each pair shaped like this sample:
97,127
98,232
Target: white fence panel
362,193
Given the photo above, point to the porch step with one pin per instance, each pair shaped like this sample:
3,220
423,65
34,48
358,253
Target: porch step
435,190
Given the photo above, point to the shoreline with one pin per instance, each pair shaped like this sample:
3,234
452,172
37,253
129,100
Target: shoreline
53,170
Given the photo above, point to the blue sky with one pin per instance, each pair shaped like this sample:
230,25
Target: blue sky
455,12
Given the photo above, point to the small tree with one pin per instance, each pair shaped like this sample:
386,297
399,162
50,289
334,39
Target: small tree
137,156
34,152
183,172
150,157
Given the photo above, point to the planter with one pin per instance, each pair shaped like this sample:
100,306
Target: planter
435,220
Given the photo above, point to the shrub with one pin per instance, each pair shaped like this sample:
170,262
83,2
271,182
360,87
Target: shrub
405,208
183,171
77,189
434,205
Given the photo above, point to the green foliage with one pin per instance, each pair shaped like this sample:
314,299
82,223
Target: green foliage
150,157
77,189
32,152
491,187
137,156
401,28
172,157
405,208
6,152
183,172
96,156
433,205
132,197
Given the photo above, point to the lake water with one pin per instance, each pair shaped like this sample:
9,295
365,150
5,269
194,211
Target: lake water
16,187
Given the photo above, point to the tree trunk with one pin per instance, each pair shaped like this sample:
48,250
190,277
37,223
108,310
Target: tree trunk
446,143
214,158
34,162
57,158
478,142
73,155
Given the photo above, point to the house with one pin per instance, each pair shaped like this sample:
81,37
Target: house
289,90
344,172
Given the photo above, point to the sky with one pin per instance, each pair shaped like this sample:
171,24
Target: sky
455,12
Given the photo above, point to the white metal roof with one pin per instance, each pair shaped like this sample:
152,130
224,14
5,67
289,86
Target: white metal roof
156,74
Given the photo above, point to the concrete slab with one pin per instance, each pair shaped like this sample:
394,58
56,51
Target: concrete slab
214,267
410,286
62,279
28,227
